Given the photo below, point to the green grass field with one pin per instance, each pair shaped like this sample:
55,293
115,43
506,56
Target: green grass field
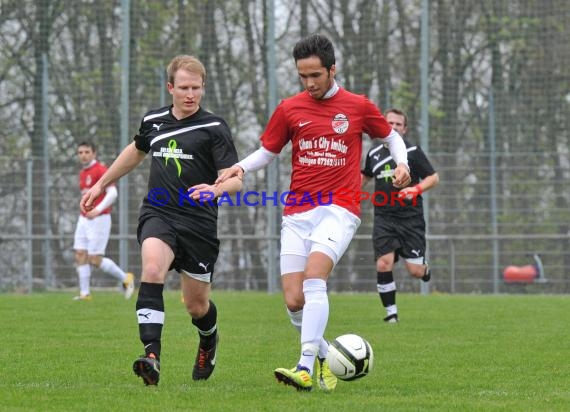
447,353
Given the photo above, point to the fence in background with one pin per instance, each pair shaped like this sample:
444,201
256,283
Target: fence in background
455,269
464,253
484,83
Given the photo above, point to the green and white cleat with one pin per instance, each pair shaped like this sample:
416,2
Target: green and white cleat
327,379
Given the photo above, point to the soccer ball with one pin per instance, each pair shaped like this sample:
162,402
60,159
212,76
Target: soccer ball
350,357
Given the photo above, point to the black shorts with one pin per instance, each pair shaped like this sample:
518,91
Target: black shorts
195,249
404,236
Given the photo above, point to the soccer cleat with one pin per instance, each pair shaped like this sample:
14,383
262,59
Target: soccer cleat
327,379
205,361
129,285
391,318
148,368
82,297
297,377
427,276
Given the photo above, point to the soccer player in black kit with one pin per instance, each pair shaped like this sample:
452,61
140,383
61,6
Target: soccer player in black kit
178,218
399,224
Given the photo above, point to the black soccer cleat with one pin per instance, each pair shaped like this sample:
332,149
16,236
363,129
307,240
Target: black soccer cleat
148,368
391,318
205,361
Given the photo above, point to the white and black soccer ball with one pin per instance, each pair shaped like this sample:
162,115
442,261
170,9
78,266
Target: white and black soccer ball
350,357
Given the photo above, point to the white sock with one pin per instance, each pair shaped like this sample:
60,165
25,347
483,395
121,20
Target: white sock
391,310
323,349
110,267
84,274
315,318
297,319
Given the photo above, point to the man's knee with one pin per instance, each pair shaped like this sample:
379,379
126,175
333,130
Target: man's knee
95,260
80,257
385,263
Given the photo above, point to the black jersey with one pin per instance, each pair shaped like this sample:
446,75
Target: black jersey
184,153
380,165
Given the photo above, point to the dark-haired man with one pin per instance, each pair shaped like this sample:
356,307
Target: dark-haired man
324,124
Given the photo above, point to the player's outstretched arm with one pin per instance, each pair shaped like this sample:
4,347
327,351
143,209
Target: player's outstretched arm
127,160
255,161
210,192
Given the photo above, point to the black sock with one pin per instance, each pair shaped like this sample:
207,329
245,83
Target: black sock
387,293
207,327
150,315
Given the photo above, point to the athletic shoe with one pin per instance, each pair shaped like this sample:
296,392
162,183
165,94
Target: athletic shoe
391,318
205,361
129,285
427,276
82,297
327,379
298,377
148,368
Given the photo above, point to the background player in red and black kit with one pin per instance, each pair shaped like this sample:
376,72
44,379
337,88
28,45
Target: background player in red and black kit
189,147
94,227
324,124
399,225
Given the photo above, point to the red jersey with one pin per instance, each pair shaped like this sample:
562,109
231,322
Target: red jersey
326,136
88,177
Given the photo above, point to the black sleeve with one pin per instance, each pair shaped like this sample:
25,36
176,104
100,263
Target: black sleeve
367,171
142,141
223,149
420,164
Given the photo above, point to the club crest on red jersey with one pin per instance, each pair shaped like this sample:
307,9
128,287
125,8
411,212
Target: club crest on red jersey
340,123
88,180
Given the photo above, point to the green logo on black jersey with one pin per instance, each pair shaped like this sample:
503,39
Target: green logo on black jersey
387,174
170,155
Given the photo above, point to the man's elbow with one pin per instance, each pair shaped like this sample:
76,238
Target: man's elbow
435,177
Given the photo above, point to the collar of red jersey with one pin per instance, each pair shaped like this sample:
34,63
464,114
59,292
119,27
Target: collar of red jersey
332,91
88,165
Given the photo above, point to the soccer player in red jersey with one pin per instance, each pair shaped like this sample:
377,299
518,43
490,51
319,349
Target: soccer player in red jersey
324,124
93,228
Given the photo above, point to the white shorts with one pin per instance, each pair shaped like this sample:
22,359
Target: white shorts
327,229
92,235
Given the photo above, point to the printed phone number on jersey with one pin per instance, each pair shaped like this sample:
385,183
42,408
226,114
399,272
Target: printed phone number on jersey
322,161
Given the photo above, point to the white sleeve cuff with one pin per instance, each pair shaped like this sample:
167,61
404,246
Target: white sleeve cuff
397,147
257,160
110,197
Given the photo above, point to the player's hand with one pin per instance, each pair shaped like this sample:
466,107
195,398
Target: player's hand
203,192
235,170
410,192
93,213
401,176
88,199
